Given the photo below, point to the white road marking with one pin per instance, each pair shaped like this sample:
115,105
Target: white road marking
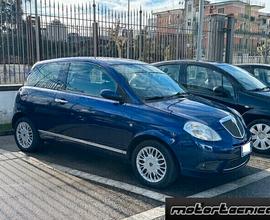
98,179
157,211
228,187
149,214
233,185
114,183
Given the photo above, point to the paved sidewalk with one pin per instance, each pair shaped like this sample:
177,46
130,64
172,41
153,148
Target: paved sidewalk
65,181
30,189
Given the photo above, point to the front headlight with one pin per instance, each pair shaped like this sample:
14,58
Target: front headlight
201,131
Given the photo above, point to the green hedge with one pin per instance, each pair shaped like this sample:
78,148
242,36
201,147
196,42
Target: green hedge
5,129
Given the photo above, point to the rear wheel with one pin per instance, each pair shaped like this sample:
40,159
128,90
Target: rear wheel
154,164
260,131
26,135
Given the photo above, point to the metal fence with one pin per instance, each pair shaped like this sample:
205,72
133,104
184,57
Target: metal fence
33,30
45,29
251,47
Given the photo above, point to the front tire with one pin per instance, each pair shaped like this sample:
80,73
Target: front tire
260,131
26,135
154,164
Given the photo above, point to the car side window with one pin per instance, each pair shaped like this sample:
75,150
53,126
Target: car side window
262,74
89,79
172,70
208,81
50,76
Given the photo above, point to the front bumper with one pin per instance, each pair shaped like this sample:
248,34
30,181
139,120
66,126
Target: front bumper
223,166
197,160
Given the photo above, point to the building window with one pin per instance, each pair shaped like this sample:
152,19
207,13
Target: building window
189,22
221,10
189,8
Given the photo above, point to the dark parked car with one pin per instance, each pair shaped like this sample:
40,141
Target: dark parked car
229,85
260,71
132,109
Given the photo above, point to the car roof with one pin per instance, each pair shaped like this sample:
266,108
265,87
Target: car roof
219,65
253,64
97,60
187,61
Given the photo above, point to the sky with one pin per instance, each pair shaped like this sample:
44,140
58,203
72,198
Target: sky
149,4
158,4
266,2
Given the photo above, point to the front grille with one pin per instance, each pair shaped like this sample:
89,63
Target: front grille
240,125
234,126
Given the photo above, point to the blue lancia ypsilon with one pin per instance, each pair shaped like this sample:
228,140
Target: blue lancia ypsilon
133,109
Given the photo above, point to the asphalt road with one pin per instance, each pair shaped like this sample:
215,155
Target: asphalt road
64,181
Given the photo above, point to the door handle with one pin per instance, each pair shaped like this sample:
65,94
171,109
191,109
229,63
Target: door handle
61,101
81,118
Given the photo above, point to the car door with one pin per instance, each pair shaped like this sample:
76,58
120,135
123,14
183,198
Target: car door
84,115
210,83
42,84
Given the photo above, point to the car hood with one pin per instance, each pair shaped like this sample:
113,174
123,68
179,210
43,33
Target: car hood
195,109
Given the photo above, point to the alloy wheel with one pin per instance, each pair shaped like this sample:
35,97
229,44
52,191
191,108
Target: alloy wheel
24,134
151,164
261,136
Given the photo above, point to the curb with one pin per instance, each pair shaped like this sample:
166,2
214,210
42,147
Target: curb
5,133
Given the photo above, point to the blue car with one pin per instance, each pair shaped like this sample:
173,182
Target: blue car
131,109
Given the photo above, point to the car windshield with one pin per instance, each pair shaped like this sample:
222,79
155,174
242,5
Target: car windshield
148,82
248,81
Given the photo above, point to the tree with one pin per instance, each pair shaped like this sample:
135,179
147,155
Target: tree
117,36
263,49
11,13
13,34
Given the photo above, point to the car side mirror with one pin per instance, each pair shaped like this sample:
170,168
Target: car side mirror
220,91
111,95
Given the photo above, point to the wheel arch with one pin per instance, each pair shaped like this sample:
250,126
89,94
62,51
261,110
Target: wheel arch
15,118
250,117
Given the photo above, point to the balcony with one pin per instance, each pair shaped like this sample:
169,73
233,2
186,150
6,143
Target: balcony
258,4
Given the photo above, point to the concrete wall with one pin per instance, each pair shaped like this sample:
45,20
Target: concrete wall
7,99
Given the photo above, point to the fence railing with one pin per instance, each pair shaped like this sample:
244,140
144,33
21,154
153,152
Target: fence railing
251,47
49,29
44,29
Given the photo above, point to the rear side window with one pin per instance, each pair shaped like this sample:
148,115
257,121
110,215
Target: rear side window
49,76
263,74
258,73
247,68
89,79
172,70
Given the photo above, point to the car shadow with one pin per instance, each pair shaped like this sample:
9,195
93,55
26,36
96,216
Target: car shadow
115,167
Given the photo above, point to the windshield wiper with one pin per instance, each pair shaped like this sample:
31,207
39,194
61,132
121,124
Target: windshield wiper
179,94
155,98
260,89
